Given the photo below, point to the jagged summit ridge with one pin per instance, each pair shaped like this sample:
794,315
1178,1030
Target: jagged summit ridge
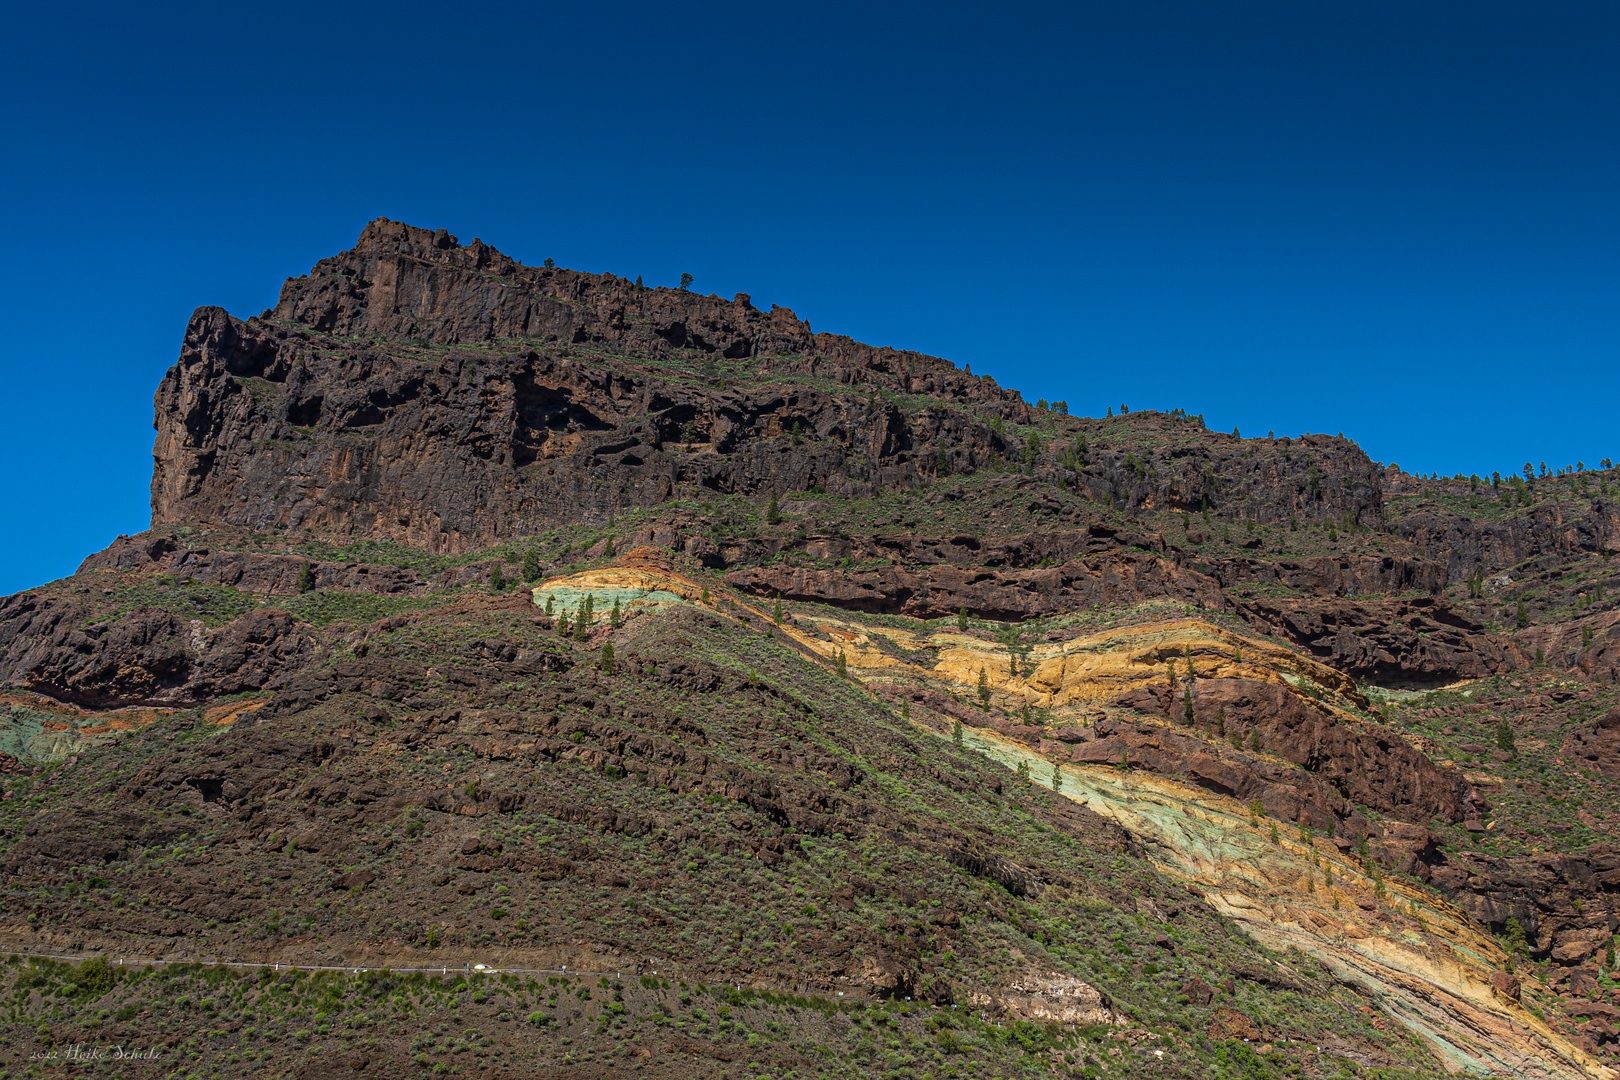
444,396
405,282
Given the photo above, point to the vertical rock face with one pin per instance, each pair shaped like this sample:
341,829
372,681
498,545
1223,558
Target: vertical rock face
453,449
444,396
1553,531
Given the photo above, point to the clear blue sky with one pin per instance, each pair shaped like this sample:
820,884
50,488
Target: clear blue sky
1396,220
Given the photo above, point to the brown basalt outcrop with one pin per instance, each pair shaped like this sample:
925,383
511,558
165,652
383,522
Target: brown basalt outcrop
49,646
1392,642
1597,746
1564,902
264,574
985,592
455,450
1589,644
1553,530
1331,575
403,282
1371,766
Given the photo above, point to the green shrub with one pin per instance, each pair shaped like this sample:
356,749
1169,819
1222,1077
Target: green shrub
94,977
1504,736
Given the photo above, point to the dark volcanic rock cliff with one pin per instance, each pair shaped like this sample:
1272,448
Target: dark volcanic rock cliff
446,397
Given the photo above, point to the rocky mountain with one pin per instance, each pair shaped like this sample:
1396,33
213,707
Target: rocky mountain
853,716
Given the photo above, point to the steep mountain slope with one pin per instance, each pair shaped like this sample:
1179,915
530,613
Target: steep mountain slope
954,735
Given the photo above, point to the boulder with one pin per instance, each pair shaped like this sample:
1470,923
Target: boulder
1226,1023
1573,950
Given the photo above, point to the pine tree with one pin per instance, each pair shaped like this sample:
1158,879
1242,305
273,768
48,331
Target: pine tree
1514,940
961,619
608,665
551,602
562,624
616,616
1254,740
905,709
531,566
1220,722
956,733
607,548
1057,778
843,665
984,690
1504,736
1521,617
1187,705
1023,770
589,608
1275,837
776,609
703,595
773,514
497,579
306,578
